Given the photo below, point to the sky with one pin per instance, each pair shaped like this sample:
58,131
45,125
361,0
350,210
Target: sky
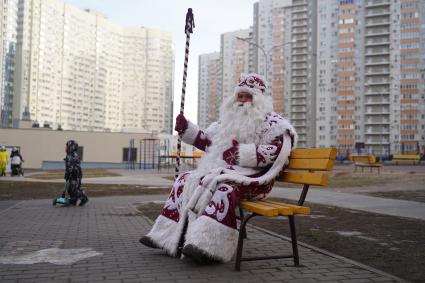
212,18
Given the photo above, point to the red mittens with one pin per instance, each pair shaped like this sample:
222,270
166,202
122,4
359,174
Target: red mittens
181,124
231,155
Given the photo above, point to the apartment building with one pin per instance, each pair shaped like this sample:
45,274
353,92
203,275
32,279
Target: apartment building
371,76
8,30
235,59
219,72
303,70
348,73
280,60
209,88
77,70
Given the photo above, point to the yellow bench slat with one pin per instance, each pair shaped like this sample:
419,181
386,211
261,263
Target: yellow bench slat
311,164
314,153
355,158
258,208
369,165
295,208
318,179
407,156
283,210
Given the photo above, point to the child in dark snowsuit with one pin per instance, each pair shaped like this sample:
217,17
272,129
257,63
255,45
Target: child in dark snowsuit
73,174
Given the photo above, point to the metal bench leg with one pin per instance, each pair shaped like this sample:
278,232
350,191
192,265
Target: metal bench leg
294,240
242,235
241,217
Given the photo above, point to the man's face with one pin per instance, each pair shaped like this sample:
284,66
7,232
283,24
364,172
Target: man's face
244,97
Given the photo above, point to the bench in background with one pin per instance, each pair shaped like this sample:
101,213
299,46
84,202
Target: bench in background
365,161
406,159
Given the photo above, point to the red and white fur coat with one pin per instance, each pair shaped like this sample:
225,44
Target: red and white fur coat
207,196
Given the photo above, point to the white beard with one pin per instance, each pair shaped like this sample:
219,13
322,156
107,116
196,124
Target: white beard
242,122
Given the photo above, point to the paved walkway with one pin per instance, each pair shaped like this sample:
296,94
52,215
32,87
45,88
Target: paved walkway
99,242
350,198
403,208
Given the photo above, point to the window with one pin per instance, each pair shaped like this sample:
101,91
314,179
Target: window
129,156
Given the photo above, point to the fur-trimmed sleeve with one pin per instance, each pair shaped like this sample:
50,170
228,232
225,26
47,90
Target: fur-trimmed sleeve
197,137
251,155
265,153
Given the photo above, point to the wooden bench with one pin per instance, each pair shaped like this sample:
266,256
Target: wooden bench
365,161
306,167
406,158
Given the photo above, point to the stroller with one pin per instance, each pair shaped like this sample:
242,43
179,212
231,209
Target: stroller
16,166
70,195
64,199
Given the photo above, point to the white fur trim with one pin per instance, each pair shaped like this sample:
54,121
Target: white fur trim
166,233
281,160
247,156
214,238
190,134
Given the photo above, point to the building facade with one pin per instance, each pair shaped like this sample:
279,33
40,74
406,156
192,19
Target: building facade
8,30
370,76
77,70
209,88
235,59
348,73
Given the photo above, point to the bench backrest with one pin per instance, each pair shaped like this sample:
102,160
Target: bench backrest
182,153
197,154
407,156
370,159
309,166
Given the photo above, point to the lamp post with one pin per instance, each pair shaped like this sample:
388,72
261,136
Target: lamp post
247,40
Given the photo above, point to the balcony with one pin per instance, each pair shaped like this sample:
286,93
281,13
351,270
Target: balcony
297,94
296,101
299,51
299,66
302,44
378,101
299,8
299,3
298,116
299,59
376,32
377,51
298,81
377,22
299,88
377,131
377,3
382,81
377,71
377,112
299,30
300,16
377,61
377,141
299,73
298,124
298,109
377,91
377,122
377,42
377,12
299,23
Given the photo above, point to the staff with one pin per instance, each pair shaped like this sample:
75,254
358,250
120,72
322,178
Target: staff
188,29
